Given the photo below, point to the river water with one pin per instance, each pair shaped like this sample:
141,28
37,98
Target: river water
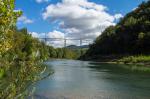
75,79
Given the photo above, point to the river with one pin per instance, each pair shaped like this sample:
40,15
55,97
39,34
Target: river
75,79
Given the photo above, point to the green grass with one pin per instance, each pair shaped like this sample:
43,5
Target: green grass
135,59
136,63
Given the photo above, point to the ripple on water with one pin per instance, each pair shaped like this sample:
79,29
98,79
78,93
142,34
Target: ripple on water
83,80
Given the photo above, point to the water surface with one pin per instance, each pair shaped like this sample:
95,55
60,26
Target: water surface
89,80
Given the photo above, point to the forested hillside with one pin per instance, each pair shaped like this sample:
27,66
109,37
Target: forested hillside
131,36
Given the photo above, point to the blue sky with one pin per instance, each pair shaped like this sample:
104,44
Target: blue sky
34,10
36,17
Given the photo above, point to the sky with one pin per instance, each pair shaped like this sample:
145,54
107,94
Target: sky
73,19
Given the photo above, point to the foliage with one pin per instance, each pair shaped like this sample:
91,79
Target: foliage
21,54
135,59
8,19
19,57
16,79
65,53
25,55
131,36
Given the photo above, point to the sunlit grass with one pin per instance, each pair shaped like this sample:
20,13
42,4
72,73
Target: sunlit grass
135,59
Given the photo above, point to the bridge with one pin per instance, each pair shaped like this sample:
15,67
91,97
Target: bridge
81,40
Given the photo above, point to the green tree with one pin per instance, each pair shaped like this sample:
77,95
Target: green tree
130,36
8,18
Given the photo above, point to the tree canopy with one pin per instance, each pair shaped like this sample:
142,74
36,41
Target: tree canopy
131,35
21,54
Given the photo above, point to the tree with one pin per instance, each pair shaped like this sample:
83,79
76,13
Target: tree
131,36
8,18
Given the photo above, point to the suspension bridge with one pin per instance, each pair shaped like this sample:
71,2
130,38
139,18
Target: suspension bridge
80,40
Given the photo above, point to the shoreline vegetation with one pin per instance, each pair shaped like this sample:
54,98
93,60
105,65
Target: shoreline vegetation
126,59
139,63
21,55
128,42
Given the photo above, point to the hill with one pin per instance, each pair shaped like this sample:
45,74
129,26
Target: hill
77,47
131,36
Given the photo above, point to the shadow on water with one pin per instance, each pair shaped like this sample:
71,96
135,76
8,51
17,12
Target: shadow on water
123,75
118,68
84,80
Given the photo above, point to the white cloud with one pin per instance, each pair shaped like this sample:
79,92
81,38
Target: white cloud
34,34
118,16
80,18
41,1
58,41
24,20
59,38
56,34
134,8
37,35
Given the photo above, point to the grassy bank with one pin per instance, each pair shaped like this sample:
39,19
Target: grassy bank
139,59
133,63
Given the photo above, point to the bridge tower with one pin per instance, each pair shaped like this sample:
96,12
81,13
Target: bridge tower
65,43
80,42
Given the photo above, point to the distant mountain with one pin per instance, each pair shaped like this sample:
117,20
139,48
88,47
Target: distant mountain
77,47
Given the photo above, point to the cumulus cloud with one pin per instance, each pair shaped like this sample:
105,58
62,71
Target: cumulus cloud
118,16
37,35
56,34
34,34
134,8
24,20
79,19
57,42
41,1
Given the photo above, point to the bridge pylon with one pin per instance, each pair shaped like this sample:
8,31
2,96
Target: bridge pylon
65,43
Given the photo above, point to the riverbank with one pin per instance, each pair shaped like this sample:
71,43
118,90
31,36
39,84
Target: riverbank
136,63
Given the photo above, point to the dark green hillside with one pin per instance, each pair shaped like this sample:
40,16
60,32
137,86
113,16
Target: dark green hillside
131,36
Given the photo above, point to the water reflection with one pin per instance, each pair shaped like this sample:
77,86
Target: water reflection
89,80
